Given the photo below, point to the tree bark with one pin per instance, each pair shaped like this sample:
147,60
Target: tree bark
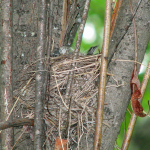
6,72
118,96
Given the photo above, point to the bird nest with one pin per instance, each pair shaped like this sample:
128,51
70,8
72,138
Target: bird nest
70,98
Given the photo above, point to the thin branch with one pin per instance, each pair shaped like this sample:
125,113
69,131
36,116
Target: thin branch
103,73
81,28
40,77
16,123
6,71
60,130
76,51
66,5
114,16
49,47
78,43
59,91
24,130
18,98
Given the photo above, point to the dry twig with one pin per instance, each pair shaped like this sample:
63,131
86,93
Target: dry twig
40,77
103,73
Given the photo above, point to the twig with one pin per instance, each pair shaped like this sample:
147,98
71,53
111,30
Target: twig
80,133
81,28
69,125
40,77
76,51
123,60
60,130
16,123
78,44
114,16
19,137
19,97
59,91
66,11
102,82
50,45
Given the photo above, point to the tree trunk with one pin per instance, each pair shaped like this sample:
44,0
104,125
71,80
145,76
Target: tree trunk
118,96
6,73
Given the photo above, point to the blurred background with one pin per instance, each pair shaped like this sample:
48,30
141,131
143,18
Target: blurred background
92,36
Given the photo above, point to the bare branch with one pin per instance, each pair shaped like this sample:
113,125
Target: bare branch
103,73
78,42
40,77
76,51
16,123
81,28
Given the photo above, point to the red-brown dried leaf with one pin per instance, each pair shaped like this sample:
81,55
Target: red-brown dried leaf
136,106
58,144
136,95
134,82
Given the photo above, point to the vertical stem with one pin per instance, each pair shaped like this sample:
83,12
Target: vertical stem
81,28
76,51
103,73
6,72
40,77
78,44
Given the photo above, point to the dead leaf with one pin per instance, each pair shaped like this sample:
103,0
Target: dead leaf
135,80
59,145
136,106
136,95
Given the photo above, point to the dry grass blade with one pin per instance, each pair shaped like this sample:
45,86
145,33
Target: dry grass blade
19,138
127,138
103,73
59,92
83,94
24,88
